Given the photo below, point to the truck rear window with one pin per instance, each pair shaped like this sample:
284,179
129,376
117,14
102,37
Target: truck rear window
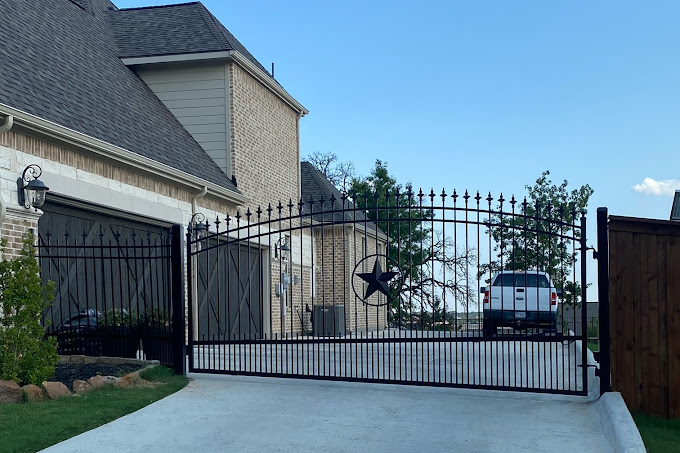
522,280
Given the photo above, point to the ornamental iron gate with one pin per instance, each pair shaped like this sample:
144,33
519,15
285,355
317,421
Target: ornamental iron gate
424,289
117,293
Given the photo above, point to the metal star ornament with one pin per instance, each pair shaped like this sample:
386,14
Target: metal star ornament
377,280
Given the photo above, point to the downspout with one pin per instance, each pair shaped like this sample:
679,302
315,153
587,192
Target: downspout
9,122
194,199
194,276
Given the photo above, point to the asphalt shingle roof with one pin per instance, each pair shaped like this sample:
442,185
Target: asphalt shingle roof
316,186
58,61
170,30
675,209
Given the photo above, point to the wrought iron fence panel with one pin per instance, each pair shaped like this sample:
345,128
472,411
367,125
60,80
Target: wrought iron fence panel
112,293
413,288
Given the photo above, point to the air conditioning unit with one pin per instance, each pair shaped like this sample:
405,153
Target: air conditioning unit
328,320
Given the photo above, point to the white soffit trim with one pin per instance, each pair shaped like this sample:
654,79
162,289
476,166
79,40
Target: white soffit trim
233,55
176,58
118,154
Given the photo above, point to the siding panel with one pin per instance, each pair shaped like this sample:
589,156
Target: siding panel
191,85
191,94
196,95
203,119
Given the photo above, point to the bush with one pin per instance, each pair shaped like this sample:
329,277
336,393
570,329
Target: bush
155,317
26,356
116,317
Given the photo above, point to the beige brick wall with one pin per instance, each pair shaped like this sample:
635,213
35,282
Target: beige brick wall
14,229
264,142
337,254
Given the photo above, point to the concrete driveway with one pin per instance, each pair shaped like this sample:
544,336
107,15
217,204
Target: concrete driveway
242,414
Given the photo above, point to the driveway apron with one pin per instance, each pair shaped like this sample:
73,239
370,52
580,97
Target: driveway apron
242,414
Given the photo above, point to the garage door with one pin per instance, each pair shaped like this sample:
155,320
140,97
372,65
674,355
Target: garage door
81,222
105,263
229,292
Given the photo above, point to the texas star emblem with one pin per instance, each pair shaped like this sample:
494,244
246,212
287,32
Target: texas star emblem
377,280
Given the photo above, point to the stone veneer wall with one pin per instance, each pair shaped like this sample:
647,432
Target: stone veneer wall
17,150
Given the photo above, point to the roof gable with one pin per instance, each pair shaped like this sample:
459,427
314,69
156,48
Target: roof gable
315,187
58,62
183,28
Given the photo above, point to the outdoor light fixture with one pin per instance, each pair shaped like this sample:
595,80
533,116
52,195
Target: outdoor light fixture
281,248
197,225
30,190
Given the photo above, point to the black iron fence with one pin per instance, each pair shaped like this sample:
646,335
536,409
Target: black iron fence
113,293
426,289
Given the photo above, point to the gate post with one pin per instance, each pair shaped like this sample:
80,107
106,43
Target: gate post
584,302
177,276
603,300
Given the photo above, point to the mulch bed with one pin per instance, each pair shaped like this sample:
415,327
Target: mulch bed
66,372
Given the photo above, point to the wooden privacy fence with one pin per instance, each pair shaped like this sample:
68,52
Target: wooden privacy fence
644,281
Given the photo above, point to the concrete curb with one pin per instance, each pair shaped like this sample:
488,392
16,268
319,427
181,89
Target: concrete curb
618,424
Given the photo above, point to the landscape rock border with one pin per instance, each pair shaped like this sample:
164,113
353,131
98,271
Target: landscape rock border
12,393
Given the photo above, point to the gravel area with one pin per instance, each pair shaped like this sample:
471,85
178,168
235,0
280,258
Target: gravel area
66,373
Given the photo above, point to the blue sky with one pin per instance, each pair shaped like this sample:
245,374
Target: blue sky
482,95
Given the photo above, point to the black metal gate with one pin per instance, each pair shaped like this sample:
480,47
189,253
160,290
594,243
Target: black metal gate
426,289
117,292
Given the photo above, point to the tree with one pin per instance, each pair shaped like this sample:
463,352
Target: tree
341,174
537,236
421,252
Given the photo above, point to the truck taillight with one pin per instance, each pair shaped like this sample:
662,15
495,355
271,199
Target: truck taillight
553,300
486,297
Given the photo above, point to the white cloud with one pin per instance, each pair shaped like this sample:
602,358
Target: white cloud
651,186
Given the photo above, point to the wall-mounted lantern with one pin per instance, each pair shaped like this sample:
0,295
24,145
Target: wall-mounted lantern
197,226
30,190
282,249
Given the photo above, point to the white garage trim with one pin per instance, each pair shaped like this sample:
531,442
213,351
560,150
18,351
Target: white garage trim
100,199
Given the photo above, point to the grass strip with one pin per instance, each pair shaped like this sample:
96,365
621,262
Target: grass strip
660,435
31,427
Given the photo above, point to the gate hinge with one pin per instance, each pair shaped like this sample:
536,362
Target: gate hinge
595,255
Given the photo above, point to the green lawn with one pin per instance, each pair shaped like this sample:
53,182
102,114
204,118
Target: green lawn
659,434
31,427
593,346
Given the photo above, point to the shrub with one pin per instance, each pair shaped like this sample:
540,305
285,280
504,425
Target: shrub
26,355
116,317
155,317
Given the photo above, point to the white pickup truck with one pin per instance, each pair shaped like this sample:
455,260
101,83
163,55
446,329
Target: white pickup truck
520,299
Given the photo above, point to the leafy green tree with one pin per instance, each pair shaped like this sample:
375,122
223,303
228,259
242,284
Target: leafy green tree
421,252
538,236
26,356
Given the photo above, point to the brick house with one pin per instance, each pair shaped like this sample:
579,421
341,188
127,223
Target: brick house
140,118
341,250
